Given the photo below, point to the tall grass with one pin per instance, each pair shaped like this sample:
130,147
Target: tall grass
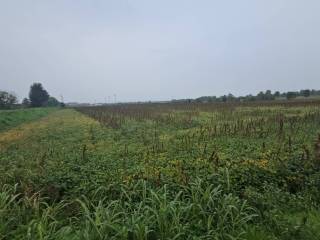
200,210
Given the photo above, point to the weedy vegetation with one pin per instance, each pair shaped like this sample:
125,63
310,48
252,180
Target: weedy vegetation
164,171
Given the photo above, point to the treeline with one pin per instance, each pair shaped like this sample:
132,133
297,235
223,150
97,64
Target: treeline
261,96
38,97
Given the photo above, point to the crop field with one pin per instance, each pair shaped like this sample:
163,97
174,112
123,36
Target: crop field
162,171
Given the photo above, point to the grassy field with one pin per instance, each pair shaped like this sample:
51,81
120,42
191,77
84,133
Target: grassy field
162,171
13,118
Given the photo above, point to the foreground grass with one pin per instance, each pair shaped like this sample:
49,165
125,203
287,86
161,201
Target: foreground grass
66,176
13,118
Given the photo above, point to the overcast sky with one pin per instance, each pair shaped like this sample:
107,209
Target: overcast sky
158,49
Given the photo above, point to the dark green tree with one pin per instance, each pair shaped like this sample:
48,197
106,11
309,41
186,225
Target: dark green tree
224,98
231,97
268,95
26,102
260,96
305,93
38,95
276,94
53,102
291,95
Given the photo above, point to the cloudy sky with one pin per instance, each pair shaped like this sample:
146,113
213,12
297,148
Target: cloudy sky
158,49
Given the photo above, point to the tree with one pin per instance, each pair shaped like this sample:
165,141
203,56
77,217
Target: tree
231,97
38,95
7,100
305,93
250,98
224,98
268,95
53,102
276,94
268,92
291,95
260,96
26,102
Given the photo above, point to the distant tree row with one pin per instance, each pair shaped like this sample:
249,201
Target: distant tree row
261,96
38,97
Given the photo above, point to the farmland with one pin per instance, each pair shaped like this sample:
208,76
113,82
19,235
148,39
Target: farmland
162,171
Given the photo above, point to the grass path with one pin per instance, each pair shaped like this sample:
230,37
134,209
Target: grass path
56,121
45,150
65,150
13,118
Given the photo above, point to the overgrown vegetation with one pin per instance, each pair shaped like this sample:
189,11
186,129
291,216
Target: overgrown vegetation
164,171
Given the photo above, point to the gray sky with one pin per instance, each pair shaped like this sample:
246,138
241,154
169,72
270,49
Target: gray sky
158,49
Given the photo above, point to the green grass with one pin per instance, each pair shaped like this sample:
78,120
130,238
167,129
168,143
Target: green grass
13,118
